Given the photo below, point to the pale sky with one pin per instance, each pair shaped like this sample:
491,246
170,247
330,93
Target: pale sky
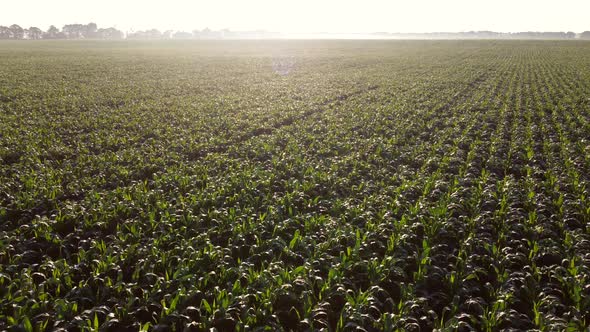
305,16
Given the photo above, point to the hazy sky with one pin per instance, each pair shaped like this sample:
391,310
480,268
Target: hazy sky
307,15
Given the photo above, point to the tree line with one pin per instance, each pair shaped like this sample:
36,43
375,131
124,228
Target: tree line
201,34
68,31
489,35
91,31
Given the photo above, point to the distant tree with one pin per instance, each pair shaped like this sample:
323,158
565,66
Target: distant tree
109,33
135,35
226,33
69,31
4,32
182,35
585,35
52,33
206,33
74,31
555,35
16,32
167,34
35,33
153,34
570,35
148,34
90,30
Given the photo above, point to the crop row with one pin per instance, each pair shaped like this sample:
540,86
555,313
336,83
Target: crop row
405,186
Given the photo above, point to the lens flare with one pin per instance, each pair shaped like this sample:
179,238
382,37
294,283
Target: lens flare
283,65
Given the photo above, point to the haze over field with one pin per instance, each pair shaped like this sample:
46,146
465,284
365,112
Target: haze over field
294,165
306,16
289,185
